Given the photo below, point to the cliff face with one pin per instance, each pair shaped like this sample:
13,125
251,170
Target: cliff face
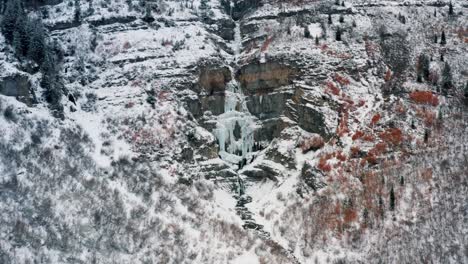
240,131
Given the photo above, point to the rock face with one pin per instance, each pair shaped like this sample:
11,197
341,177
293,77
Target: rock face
240,7
17,86
310,119
213,80
211,86
260,78
269,105
312,177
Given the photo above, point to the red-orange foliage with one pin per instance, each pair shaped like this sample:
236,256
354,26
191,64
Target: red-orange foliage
343,125
355,151
340,156
163,95
388,75
370,158
427,174
375,119
167,42
129,105
424,97
380,147
323,162
341,80
361,103
312,143
266,44
331,88
428,116
126,45
358,135
368,138
392,135
350,215
400,108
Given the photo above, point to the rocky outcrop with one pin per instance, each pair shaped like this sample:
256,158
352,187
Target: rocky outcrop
312,177
213,80
17,86
261,78
203,145
211,85
264,170
240,7
269,105
271,129
311,120
223,28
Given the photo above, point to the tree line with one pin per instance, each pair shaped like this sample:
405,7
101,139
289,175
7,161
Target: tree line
27,36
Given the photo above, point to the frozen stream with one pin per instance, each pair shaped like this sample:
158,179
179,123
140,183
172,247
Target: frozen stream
235,127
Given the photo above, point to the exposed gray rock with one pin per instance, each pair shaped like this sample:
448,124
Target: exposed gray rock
312,177
311,120
17,86
214,104
213,79
266,169
263,78
270,129
268,105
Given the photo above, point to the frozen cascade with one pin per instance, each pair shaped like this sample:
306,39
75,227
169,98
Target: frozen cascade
235,127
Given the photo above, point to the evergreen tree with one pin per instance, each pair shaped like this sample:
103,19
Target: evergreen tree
317,41
129,5
330,19
423,66
392,199
37,43
204,8
13,12
436,39
381,207
435,12
354,23
426,135
446,79
148,14
338,34
52,89
341,19
306,32
419,78
443,41
77,14
466,90
450,8
91,7
402,180
20,36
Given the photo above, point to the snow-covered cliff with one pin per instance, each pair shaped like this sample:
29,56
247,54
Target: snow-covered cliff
237,131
